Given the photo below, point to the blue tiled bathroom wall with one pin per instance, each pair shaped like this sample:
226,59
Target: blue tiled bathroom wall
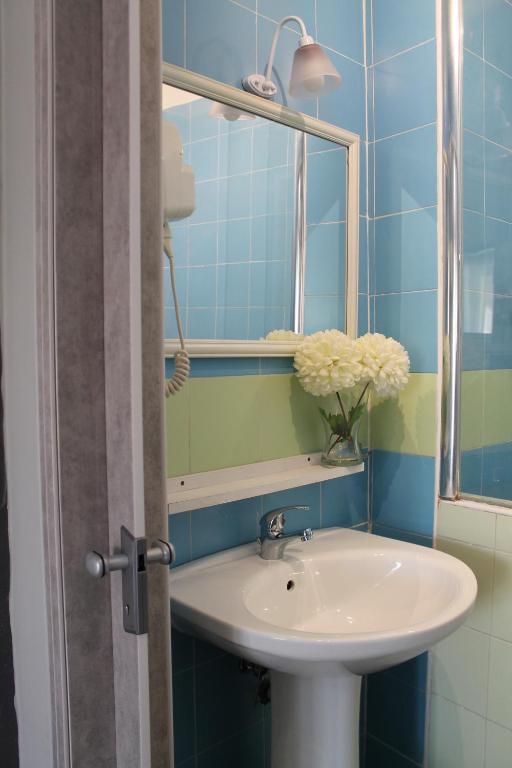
216,717
402,199
227,39
217,722
234,255
388,97
487,274
487,323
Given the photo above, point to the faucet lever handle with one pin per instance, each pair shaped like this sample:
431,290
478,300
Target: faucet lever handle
273,522
307,535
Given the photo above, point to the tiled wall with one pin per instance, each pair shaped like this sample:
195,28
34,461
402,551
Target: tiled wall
487,339
217,721
471,705
234,255
403,303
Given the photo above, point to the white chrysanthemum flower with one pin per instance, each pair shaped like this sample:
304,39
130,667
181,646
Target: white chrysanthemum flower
327,362
385,363
282,335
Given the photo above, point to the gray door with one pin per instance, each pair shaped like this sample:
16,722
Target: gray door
100,371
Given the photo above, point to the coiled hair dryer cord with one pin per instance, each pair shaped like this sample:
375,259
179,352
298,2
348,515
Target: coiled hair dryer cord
182,360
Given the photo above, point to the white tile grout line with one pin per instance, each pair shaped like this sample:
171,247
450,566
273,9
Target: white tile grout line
403,133
404,50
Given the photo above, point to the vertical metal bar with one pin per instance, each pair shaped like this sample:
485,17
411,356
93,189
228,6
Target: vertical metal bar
450,209
299,241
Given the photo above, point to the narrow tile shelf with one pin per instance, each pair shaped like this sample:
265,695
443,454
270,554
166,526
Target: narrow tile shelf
205,489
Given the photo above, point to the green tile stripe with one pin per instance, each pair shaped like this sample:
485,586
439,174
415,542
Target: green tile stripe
407,424
232,420
486,415
228,421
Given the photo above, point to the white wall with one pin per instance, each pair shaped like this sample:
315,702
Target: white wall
19,338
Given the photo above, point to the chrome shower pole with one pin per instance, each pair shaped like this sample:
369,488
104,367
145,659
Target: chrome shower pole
300,232
450,210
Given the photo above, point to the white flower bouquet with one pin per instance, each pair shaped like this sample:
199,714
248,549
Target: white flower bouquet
330,362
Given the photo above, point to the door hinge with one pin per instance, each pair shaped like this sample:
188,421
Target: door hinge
133,560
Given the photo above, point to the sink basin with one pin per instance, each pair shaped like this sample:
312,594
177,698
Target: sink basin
342,605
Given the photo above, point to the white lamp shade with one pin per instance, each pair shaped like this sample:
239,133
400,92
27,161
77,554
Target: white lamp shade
225,112
313,73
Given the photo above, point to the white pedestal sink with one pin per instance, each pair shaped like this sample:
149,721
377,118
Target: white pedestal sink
333,609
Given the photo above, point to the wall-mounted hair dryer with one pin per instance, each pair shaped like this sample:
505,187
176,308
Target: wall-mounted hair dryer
178,200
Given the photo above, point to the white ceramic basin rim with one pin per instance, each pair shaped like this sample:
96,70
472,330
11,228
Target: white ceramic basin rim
346,598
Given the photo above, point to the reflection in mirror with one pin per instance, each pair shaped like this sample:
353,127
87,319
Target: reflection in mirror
265,245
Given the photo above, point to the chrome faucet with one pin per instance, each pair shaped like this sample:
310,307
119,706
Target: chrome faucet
273,538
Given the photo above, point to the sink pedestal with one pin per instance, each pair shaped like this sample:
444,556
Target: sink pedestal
315,720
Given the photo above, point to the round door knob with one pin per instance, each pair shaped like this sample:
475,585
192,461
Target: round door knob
98,565
95,565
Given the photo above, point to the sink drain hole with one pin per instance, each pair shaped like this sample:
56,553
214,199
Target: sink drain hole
290,585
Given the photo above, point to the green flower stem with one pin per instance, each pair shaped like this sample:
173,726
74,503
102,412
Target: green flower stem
362,395
342,408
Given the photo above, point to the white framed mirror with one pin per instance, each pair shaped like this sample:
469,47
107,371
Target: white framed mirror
257,196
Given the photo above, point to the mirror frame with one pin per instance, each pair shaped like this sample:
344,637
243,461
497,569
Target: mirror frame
239,99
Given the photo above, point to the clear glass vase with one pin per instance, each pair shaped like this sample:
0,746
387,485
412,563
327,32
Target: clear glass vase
342,449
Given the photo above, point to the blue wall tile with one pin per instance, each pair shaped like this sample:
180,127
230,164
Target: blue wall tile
220,40
396,715
498,182
346,105
182,651
411,318
471,467
496,475
223,526
473,103
179,535
235,150
327,199
323,312
273,145
245,748
498,344
234,240
235,196
202,287
406,171
233,285
379,755
473,172
498,34
401,24
201,124
204,156
340,26
498,242
200,323
277,9
406,252
473,18
202,247
403,491
345,501
498,105
421,540
405,91
184,715
173,26
325,263
225,702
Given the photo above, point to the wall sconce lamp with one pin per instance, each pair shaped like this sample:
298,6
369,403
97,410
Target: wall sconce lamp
313,73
